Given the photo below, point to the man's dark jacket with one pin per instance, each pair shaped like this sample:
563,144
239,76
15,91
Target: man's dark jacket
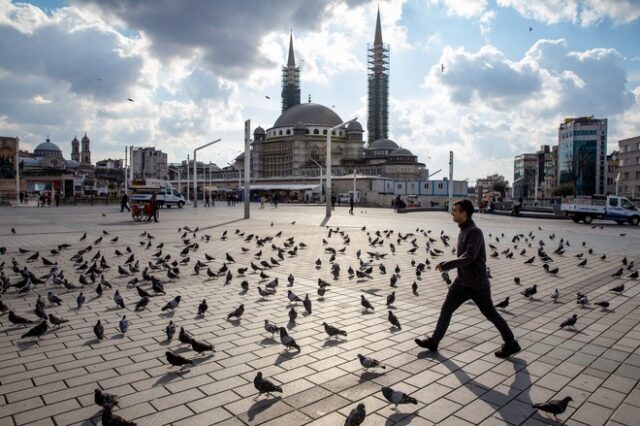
472,257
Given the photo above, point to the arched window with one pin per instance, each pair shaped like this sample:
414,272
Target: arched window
333,133
316,132
288,132
306,131
324,132
280,132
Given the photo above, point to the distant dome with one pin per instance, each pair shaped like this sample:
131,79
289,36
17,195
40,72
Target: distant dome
46,149
384,144
401,152
259,131
354,126
299,126
309,114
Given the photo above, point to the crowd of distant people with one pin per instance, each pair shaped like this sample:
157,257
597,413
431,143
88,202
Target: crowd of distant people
43,199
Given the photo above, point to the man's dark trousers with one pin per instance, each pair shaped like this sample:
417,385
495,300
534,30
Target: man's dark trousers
481,295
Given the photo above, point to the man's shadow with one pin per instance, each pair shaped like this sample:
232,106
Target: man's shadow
520,388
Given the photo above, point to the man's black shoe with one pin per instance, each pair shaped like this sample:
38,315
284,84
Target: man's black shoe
508,349
427,343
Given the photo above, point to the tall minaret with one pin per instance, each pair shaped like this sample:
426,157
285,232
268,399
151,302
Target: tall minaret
290,80
378,79
85,154
75,149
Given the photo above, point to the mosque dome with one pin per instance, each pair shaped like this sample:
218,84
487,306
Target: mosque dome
46,149
308,114
401,152
384,144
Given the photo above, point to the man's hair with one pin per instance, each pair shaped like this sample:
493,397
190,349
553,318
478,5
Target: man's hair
465,206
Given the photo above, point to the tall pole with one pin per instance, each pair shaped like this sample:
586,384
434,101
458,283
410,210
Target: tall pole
450,179
247,168
16,166
535,196
195,171
354,184
126,186
131,165
328,162
188,198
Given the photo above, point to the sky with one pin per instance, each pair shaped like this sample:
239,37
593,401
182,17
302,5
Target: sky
196,70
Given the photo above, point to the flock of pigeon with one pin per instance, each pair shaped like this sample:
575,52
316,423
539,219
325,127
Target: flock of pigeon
98,269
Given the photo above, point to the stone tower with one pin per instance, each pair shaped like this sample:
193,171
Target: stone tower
290,80
85,154
378,80
75,149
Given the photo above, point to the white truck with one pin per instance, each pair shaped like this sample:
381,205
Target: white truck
165,195
613,207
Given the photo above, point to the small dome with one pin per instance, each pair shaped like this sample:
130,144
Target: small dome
47,148
299,126
354,126
384,144
75,140
259,131
85,138
401,152
314,114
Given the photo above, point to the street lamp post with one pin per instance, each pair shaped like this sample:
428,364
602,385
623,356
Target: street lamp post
195,171
188,180
179,178
355,173
328,162
318,164
450,186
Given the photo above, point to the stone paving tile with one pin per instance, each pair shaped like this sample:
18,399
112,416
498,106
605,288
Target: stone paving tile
52,381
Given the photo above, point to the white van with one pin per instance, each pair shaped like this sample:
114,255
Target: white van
165,196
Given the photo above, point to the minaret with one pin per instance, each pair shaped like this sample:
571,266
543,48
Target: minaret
85,154
290,80
378,80
75,149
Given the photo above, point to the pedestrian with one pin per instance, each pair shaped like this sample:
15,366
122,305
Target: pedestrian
21,197
276,199
472,283
351,204
124,203
206,200
262,202
57,198
154,208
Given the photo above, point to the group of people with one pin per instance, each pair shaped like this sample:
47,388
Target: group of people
43,199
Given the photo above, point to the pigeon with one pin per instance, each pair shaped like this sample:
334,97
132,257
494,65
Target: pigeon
202,308
367,362
634,275
177,360
170,330
530,291
265,385
184,336
237,313
270,327
293,314
37,331
414,289
604,305
56,320
307,303
291,279
293,297
142,303
18,320
394,320
201,347
80,300
365,303
618,273
397,397
618,289
555,406
288,341
583,262
108,418
54,299
118,299
555,295
583,301
356,416
503,305
333,331
530,260
98,330
172,304
104,398
569,322
123,325
391,298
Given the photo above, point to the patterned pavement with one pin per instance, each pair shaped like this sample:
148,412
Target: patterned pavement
51,380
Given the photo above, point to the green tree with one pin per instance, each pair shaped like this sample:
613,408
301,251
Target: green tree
563,190
501,187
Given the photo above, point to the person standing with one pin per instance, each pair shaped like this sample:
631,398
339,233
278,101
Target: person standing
57,198
351,202
154,208
472,283
262,202
206,200
124,203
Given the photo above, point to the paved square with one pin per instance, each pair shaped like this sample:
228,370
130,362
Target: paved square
51,380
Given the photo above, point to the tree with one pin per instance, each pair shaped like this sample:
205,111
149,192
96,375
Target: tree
563,190
501,187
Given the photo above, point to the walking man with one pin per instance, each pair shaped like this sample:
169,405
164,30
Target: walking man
124,203
472,283
154,208
351,204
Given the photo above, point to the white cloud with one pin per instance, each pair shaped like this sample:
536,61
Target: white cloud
583,12
463,8
486,21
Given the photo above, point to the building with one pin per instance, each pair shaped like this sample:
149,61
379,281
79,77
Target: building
108,163
613,168
582,151
629,167
149,163
546,172
485,185
525,171
378,87
290,80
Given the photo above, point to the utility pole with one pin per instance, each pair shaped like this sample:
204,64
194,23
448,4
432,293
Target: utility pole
450,187
247,168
